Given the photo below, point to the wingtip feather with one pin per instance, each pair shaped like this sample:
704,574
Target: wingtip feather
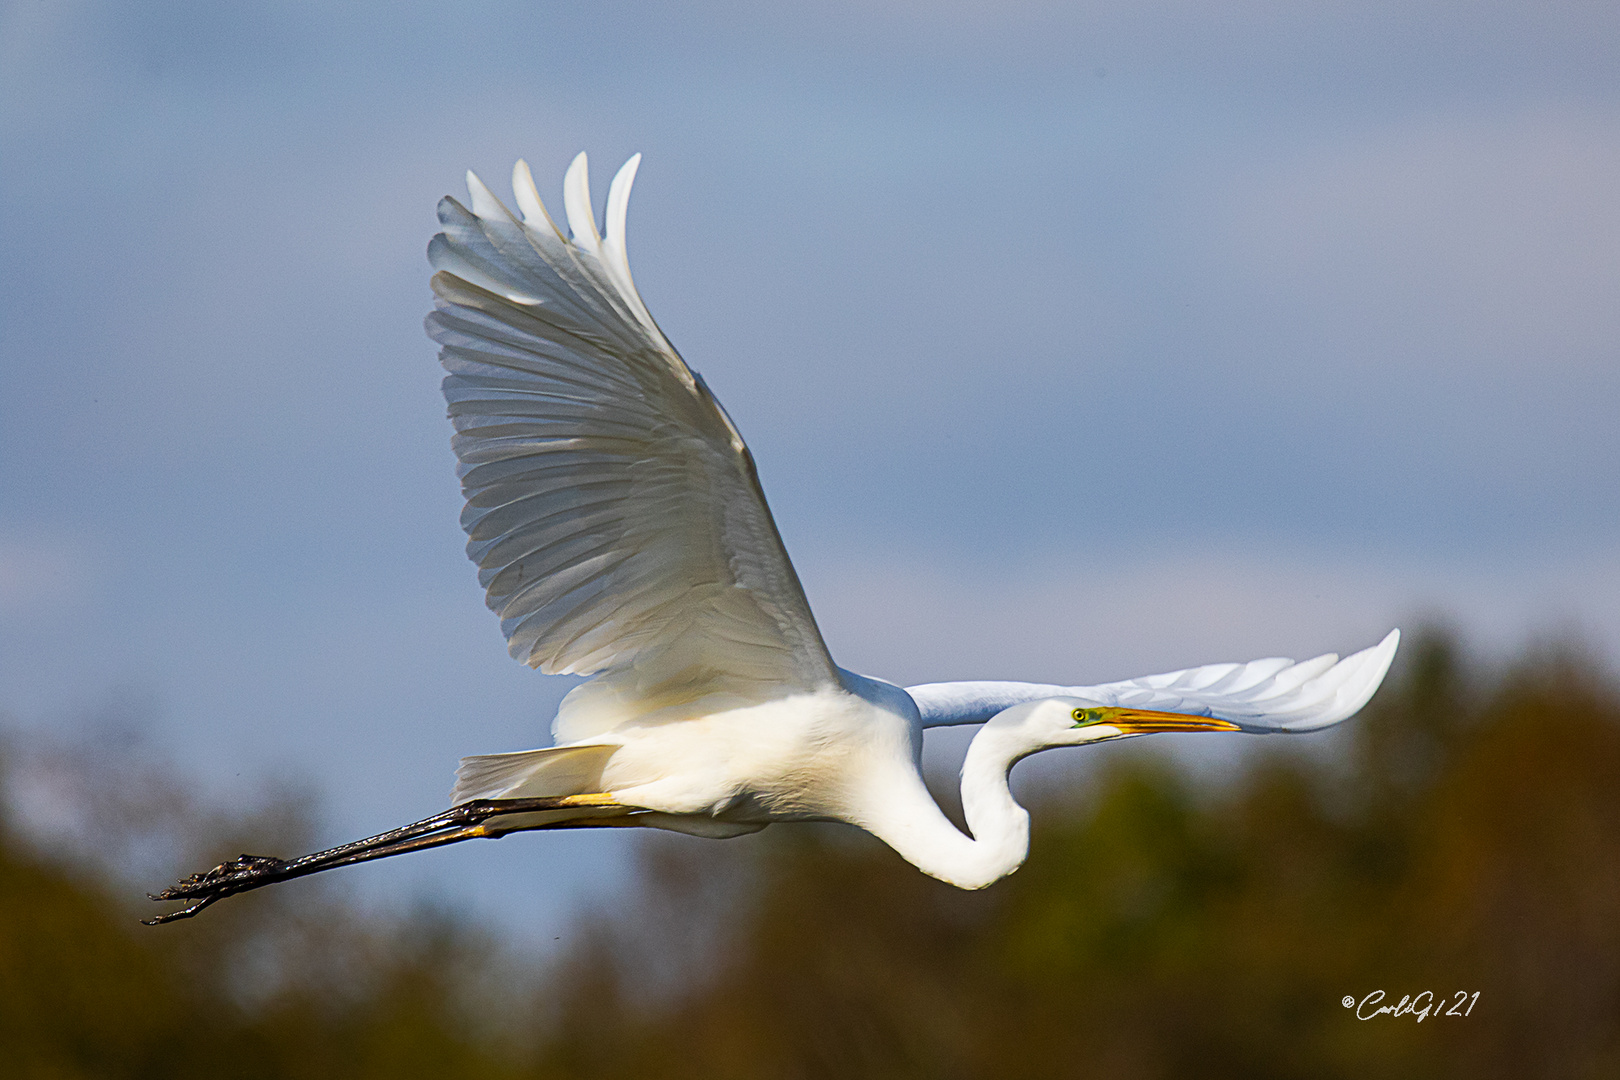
577,205
1360,676
484,202
529,203
618,206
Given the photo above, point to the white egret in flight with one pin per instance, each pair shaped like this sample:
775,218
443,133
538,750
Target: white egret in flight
621,534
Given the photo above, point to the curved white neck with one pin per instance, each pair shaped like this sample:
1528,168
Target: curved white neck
911,822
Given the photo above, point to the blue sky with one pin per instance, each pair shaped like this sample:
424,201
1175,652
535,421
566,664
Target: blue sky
1073,342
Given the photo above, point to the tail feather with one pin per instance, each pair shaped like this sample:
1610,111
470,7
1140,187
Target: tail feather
529,774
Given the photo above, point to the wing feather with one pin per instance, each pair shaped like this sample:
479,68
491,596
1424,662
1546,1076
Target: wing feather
613,509
1274,694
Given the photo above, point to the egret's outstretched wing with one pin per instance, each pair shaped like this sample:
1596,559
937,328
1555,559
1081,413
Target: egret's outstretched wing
1262,695
612,507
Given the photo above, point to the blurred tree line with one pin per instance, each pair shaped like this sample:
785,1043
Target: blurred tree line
1465,838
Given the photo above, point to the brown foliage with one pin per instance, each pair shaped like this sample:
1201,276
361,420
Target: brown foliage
1468,839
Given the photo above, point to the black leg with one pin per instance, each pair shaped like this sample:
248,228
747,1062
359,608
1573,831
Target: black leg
469,821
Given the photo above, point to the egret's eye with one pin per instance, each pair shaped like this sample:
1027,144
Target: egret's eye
1086,716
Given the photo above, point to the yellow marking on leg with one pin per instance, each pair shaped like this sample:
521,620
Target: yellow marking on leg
600,798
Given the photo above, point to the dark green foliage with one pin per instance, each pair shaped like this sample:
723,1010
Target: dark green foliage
1468,838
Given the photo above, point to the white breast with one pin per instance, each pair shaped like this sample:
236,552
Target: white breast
795,758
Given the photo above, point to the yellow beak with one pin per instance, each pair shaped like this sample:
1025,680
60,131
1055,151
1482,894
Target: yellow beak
1146,722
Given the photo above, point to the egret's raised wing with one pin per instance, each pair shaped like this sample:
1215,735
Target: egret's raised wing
612,507
1263,695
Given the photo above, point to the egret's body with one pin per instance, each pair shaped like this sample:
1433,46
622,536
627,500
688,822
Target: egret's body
620,532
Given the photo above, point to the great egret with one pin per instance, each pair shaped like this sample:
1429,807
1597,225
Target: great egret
620,531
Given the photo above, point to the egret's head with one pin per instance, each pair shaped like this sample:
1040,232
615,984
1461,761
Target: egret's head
1069,721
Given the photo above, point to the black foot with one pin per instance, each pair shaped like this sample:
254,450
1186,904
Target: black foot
464,822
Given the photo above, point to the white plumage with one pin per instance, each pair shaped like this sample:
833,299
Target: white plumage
612,507
1274,694
620,532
